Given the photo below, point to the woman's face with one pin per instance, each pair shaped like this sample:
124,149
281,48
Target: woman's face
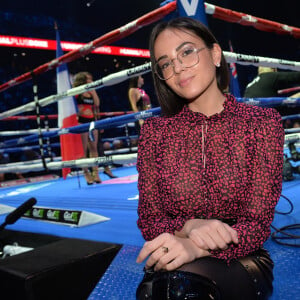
89,78
189,83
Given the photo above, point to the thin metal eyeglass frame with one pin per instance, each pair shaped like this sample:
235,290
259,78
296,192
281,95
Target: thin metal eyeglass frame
172,64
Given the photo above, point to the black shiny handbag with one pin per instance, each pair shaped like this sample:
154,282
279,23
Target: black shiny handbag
176,285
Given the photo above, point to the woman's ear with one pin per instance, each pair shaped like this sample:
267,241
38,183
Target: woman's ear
217,54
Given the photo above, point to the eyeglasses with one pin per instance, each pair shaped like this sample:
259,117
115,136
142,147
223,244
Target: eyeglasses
187,57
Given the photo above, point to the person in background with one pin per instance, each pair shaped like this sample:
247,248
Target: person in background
296,124
138,98
210,176
5,159
268,81
88,109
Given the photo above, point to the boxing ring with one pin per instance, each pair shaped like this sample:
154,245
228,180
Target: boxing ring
116,199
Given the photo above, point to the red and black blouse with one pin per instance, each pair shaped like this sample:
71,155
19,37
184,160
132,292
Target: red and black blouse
227,166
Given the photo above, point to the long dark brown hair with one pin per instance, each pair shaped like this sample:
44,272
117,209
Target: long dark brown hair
170,102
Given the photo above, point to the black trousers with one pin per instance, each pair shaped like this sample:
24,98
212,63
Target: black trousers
207,278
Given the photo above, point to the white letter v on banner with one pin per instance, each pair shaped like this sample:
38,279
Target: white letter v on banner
190,8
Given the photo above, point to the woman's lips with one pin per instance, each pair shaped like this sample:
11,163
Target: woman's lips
184,81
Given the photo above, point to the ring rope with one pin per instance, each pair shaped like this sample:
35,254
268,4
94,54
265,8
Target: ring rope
293,89
53,117
292,138
216,11
101,161
25,132
56,165
248,20
292,130
57,145
35,131
106,39
119,138
244,59
19,149
121,156
101,124
27,162
109,80
291,117
271,101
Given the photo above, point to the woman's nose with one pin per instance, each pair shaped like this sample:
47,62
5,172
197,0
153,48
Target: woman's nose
177,66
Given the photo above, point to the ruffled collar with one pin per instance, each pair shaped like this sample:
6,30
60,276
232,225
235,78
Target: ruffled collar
229,105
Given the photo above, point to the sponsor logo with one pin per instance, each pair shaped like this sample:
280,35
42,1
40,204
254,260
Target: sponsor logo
251,101
190,8
292,137
38,213
138,69
249,18
94,84
128,26
288,62
143,115
63,131
53,214
247,58
71,216
87,47
290,101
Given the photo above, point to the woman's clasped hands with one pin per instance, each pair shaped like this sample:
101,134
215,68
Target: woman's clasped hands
196,239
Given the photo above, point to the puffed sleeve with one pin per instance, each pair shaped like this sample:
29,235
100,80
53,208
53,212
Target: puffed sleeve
152,216
264,187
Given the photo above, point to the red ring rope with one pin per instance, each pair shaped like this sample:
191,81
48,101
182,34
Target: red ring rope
108,38
293,89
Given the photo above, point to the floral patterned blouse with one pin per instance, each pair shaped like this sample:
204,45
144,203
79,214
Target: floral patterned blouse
226,166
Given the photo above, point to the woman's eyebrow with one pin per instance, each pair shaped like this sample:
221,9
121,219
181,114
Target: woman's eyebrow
177,49
182,45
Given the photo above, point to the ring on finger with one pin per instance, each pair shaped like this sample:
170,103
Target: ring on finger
165,249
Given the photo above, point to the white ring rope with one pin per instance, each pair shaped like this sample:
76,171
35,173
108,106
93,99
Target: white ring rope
243,59
25,132
109,80
80,163
28,166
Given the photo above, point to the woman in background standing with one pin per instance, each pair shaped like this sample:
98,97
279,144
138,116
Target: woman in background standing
88,108
138,98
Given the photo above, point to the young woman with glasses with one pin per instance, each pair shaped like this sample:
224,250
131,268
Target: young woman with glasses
210,172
